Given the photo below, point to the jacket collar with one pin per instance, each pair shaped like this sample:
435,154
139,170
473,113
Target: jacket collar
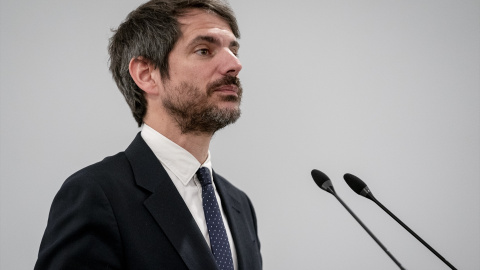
242,233
168,208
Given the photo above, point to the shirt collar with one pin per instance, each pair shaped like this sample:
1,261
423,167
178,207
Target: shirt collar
178,160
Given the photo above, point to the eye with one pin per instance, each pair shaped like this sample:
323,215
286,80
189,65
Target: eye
234,51
203,52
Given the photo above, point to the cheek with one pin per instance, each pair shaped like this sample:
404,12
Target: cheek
187,73
198,77
196,74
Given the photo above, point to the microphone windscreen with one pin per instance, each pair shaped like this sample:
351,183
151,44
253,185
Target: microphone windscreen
319,177
354,182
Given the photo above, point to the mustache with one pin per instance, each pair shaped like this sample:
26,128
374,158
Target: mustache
227,80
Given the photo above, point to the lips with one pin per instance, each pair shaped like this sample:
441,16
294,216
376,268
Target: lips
230,88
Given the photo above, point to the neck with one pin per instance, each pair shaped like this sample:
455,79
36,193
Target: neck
196,144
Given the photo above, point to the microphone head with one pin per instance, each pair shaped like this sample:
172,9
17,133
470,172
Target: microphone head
322,181
354,182
357,185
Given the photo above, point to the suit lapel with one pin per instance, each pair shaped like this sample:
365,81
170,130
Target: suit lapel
242,235
168,208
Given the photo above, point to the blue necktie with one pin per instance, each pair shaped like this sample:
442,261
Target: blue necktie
216,229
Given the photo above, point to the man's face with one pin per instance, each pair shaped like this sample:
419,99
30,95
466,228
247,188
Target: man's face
203,92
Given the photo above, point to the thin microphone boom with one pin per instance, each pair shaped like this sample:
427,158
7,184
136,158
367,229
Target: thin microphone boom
361,188
324,183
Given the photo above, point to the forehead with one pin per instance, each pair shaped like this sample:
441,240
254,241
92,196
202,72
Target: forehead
197,21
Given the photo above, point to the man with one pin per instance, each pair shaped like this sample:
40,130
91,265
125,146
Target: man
154,205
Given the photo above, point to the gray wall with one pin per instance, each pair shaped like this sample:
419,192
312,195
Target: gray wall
386,90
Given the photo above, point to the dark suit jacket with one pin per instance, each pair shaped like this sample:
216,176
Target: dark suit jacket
125,213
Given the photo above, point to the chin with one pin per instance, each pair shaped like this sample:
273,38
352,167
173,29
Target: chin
229,106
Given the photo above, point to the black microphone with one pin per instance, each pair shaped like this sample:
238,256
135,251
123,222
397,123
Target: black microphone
361,188
324,183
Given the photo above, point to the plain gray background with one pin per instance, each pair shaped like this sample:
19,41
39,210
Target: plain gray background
386,90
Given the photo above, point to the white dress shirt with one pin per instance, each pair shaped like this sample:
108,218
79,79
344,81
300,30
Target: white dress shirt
182,166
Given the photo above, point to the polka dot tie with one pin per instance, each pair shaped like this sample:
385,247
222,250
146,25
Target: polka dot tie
216,229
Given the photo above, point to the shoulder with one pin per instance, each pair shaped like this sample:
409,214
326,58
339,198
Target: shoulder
82,216
101,182
106,170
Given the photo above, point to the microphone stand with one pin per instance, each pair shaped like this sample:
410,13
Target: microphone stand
371,197
330,190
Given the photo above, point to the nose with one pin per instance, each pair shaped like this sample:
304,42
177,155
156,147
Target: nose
230,65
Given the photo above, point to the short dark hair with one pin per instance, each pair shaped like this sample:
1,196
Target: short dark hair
150,32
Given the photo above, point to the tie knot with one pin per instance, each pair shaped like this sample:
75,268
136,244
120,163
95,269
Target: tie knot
203,175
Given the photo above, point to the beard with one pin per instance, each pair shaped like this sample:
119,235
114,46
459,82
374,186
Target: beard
194,111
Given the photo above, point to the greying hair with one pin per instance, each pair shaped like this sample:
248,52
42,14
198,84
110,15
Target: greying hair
150,32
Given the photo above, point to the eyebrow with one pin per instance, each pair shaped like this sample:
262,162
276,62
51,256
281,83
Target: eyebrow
214,40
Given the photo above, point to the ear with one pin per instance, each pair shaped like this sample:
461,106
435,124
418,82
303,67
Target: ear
145,75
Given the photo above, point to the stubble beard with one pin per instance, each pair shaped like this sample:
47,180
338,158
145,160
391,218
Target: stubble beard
195,113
